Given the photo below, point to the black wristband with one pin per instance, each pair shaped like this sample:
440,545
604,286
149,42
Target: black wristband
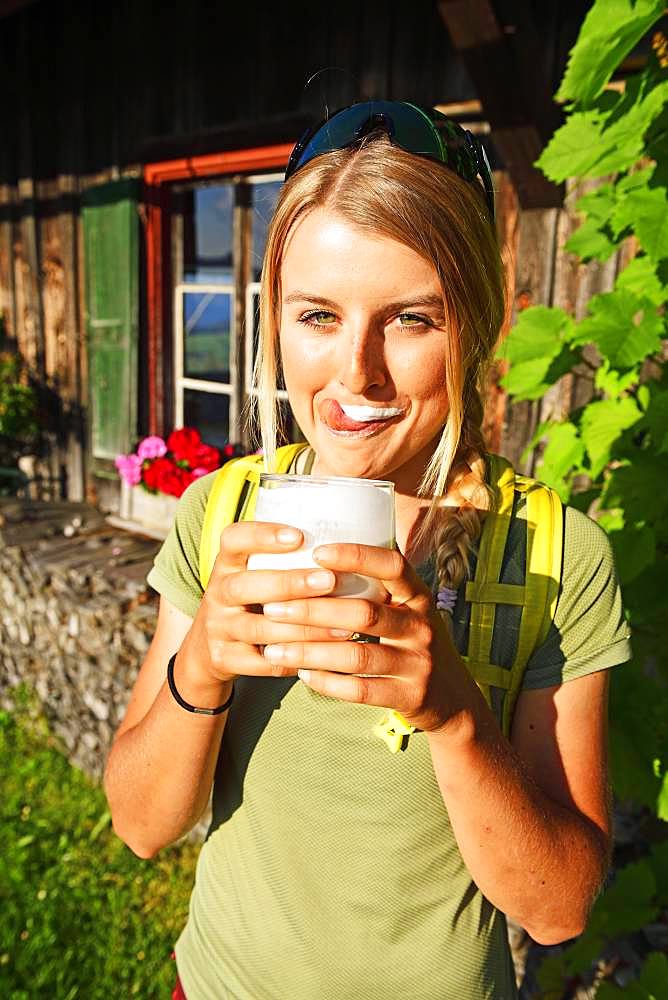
184,704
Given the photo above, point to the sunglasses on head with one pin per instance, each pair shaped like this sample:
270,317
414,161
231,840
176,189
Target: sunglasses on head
422,131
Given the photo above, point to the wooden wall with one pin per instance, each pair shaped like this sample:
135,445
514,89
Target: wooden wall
92,91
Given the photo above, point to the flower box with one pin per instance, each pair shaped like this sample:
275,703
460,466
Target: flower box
151,513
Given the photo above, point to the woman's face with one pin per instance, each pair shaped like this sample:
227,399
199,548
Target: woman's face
367,379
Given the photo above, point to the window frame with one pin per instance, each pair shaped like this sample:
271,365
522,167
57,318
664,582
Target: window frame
160,300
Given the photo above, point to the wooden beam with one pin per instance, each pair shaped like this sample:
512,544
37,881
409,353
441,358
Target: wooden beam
503,61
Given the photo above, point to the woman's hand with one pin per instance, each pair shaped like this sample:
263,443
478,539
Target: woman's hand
414,669
228,633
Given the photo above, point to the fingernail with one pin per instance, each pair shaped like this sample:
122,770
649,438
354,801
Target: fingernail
274,653
276,610
304,675
288,536
320,579
340,633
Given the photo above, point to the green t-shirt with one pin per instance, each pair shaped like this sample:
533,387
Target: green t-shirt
330,871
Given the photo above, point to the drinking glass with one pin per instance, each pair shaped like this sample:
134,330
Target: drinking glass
327,509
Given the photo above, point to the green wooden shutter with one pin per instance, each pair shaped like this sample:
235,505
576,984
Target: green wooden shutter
111,258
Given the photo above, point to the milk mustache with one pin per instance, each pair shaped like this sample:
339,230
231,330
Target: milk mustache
327,509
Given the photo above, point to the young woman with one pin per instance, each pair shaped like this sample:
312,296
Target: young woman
334,869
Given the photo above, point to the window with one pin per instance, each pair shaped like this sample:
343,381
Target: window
218,236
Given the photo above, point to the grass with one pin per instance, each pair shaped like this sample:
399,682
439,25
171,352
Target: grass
80,915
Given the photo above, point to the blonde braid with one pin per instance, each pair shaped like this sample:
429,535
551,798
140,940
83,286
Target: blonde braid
468,495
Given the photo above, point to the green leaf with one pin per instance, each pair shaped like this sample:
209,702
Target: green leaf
532,379
623,328
598,204
633,489
640,277
574,148
612,382
602,423
563,455
656,417
608,33
538,333
628,904
645,210
622,134
590,243
654,976
662,800
635,549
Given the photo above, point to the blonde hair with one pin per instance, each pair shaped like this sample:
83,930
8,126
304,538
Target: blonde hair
381,189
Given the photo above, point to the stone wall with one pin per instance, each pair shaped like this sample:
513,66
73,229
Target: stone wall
76,619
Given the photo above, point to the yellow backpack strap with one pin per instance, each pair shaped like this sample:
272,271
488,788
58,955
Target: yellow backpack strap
484,591
227,492
545,538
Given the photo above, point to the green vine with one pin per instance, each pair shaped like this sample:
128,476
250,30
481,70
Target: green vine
617,444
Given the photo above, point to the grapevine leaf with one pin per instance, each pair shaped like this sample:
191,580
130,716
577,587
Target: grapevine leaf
532,379
640,277
622,133
628,904
598,204
645,210
654,976
562,456
622,327
656,417
538,333
608,33
633,489
612,382
635,549
573,149
602,423
662,800
590,243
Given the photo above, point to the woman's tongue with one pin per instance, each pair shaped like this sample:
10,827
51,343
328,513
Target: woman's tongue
334,417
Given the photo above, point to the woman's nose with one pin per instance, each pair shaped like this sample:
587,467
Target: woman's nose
362,364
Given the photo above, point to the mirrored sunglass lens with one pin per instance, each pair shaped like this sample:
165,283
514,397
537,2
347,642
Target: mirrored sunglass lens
336,133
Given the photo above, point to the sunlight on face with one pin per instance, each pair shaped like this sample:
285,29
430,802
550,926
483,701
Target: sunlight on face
362,339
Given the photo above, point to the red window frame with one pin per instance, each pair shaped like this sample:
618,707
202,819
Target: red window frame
158,178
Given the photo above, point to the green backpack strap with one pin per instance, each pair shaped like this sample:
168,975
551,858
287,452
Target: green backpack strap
227,492
537,597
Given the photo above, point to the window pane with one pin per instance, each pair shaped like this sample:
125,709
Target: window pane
263,202
209,412
206,335
207,233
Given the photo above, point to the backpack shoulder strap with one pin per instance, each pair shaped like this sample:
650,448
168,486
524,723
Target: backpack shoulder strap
537,596
545,543
229,493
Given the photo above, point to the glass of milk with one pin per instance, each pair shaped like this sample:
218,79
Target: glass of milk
327,509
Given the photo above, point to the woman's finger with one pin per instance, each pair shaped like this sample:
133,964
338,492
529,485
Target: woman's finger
353,614
262,586
387,565
382,692
241,539
342,657
257,630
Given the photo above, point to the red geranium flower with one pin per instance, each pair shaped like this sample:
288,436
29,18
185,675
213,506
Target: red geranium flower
183,444
165,476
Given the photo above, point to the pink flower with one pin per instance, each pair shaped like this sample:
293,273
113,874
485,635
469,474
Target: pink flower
200,471
151,447
129,468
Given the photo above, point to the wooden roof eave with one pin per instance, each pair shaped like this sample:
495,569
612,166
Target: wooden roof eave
517,103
